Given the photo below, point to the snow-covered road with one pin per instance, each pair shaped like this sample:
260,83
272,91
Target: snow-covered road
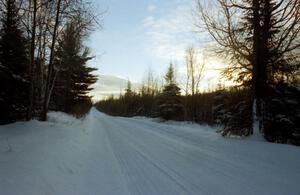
113,155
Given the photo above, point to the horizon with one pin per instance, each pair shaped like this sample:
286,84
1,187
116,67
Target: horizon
149,39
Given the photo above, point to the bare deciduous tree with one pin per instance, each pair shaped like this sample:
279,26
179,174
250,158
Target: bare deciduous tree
259,39
194,70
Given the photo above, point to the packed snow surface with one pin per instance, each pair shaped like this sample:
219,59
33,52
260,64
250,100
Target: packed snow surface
113,155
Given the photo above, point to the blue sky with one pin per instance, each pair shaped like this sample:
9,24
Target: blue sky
142,34
139,35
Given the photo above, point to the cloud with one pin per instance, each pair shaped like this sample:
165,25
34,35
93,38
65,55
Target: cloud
151,8
148,21
108,85
171,30
170,33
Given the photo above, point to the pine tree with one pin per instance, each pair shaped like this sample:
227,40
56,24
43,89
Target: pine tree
282,121
260,39
219,107
13,66
237,119
233,110
130,101
128,90
170,103
74,77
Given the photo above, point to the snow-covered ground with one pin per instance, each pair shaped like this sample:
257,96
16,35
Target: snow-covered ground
113,155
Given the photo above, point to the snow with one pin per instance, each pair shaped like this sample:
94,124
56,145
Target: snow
113,155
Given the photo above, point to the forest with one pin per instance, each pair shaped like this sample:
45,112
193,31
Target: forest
44,66
217,112
260,41
43,58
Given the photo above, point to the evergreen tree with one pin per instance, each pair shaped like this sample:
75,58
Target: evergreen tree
74,77
282,121
219,107
237,118
128,90
129,100
13,66
260,39
169,103
233,110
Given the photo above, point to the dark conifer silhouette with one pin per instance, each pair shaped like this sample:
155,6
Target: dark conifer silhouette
13,65
169,103
74,77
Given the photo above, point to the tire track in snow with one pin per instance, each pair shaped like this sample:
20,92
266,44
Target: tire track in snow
122,130
121,163
150,173
173,176
178,135
185,175
151,152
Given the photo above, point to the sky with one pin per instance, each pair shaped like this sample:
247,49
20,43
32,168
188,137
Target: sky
138,35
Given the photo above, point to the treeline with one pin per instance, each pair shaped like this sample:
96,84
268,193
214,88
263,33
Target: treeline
144,104
43,61
228,108
260,42
168,103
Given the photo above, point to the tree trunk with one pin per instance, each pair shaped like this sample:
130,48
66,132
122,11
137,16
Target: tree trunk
50,66
260,54
32,67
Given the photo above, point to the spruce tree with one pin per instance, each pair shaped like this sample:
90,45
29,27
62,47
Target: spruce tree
128,90
260,39
130,101
219,107
282,121
74,76
170,103
13,66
